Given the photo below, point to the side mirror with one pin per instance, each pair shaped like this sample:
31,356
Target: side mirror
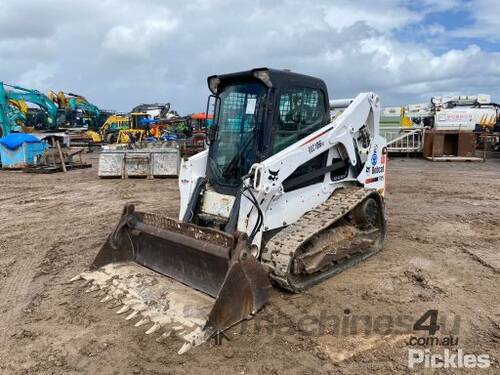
213,106
212,134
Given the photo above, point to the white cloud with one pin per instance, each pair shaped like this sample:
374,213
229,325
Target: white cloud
484,14
383,16
40,75
139,39
438,5
121,53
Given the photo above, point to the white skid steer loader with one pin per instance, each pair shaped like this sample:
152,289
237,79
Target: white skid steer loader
282,196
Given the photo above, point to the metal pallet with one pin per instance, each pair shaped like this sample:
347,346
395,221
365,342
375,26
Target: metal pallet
144,162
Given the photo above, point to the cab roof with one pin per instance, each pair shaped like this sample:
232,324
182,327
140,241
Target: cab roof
270,77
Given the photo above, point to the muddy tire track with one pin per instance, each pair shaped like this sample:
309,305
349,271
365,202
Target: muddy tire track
59,329
16,291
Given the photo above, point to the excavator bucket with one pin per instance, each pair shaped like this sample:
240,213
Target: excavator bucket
179,278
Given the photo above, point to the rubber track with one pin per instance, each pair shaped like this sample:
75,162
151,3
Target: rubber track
280,250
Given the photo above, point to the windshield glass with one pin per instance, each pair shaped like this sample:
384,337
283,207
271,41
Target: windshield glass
232,153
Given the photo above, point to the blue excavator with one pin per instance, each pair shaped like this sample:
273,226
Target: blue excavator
76,112
12,118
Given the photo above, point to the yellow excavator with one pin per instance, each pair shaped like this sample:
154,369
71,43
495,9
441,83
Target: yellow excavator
109,130
119,129
135,132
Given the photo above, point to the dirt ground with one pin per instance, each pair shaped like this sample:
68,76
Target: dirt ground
442,253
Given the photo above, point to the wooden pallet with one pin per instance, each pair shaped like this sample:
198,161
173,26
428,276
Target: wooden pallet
55,168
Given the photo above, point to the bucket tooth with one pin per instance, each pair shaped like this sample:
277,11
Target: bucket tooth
86,283
116,304
164,335
130,300
132,315
106,299
186,347
93,288
142,322
124,308
155,327
76,278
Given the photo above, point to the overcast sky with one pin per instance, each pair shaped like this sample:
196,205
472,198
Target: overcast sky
119,53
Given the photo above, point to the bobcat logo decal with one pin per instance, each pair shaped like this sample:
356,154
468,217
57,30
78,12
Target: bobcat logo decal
273,175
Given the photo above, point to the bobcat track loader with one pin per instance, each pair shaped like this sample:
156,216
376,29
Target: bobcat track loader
282,196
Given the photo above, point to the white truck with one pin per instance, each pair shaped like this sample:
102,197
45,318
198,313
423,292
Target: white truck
459,112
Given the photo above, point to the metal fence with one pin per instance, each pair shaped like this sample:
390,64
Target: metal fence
403,141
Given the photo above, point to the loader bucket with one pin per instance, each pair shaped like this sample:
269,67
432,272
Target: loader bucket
184,279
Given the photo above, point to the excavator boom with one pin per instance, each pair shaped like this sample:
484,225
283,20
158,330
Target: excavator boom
21,94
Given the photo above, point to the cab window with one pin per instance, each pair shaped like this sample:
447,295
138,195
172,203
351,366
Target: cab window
301,112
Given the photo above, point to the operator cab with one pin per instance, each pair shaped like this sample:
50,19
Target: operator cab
258,113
